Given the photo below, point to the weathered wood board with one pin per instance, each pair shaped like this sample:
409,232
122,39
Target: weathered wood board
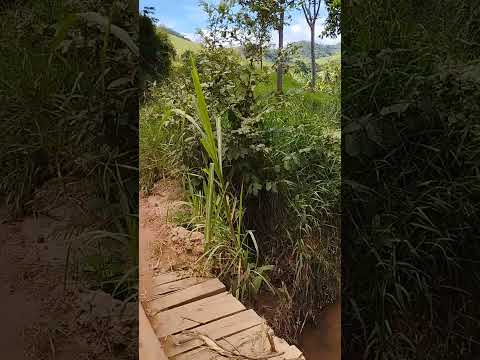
184,307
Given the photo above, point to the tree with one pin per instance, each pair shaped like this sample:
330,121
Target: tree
311,10
274,14
219,24
332,23
258,19
247,26
281,24
279,17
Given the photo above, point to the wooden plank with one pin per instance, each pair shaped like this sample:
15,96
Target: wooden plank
290,353
148,345
169,287
194,314
215,330
164,278
251,342
208,288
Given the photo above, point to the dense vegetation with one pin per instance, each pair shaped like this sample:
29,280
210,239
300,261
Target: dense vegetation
411,180
261,172
70,121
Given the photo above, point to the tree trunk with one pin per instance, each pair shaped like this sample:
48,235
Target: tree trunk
261,57
280,48
312,54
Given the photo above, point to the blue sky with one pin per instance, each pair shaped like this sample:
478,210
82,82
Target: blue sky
186,17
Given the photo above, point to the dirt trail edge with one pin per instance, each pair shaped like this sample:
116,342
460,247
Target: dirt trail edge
163,245
148,344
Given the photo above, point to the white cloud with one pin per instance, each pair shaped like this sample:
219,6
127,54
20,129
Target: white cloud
166,22
297,28
193,36
300,31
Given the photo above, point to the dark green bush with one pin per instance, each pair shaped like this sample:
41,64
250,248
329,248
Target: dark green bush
156,50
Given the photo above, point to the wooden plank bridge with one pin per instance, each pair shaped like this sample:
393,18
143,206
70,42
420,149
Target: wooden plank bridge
195,318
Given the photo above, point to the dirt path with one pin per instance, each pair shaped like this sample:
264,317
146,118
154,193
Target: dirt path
42,319
163,245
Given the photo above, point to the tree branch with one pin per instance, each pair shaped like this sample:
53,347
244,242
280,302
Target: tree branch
308,15
306,10
317,9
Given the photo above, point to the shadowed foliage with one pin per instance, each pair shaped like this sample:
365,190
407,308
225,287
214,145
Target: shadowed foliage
410,179
70,115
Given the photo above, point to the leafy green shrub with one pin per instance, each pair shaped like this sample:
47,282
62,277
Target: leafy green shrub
328,76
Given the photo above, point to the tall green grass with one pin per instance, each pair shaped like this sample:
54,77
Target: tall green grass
299,222
229,248
68,113
411,186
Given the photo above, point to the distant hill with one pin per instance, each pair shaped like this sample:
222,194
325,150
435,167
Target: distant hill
321,50
323,53
180,42
172,32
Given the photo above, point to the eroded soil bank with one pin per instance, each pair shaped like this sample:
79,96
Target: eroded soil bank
319,340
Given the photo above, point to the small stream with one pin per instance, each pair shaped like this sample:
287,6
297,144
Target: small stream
323,341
